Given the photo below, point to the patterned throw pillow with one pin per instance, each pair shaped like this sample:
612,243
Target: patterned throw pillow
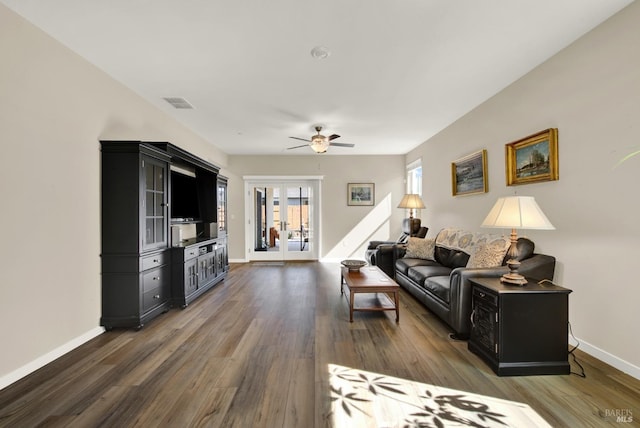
419,248
488,255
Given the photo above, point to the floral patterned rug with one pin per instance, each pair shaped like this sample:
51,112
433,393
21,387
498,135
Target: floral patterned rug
365,399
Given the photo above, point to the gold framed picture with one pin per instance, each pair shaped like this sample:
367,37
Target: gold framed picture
469,174
361,194
533,158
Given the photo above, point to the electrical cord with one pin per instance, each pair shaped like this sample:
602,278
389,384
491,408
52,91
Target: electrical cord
582,373
573,355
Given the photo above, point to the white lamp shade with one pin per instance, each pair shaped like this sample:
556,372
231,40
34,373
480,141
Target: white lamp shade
517,212
412,201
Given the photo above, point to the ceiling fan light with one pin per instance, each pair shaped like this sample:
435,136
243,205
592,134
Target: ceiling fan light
319,143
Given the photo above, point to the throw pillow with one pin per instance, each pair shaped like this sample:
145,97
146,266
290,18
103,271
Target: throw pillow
484,256
419,248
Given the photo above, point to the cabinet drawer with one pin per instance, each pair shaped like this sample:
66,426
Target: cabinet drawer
191,253
482,295
154,288
154,279
152,298
158,259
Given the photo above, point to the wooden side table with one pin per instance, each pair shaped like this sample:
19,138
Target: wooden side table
520,330
372,281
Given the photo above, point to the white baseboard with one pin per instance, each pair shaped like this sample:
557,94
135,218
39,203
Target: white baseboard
604,356
238,261
42,361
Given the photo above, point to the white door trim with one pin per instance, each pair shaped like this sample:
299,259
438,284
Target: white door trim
250,181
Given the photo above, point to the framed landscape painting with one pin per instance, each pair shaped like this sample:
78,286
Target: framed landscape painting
533,158
360,194
469,174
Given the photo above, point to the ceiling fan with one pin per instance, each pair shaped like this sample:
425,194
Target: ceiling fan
320,143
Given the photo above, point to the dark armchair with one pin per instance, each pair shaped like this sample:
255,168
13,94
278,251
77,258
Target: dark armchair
410,228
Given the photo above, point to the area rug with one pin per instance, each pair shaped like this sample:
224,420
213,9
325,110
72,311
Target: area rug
365,399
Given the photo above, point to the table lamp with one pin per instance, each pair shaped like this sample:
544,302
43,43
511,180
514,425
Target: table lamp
516,212
411,201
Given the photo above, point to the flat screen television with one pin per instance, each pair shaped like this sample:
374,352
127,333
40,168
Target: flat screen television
184,198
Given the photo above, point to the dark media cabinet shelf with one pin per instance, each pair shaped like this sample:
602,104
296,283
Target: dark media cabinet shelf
520,330
142,275
196,267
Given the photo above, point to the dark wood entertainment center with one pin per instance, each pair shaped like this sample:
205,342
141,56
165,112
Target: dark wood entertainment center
143,189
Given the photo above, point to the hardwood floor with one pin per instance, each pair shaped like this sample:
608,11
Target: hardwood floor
255,351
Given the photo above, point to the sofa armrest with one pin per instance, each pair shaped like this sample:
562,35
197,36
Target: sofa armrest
386,253
374,244
536,267
399,251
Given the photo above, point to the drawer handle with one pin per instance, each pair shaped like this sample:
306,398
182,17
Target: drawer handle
473,312
156,261
157,296
482,294
156,278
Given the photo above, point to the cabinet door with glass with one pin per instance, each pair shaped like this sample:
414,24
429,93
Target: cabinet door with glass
222,206
154,203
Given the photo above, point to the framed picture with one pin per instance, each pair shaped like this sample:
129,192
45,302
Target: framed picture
533,159
361,193
469,174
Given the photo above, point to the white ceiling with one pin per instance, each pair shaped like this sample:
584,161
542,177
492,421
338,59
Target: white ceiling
399,70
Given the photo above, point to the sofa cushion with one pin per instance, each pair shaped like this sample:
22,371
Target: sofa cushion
440,286
419,274
451,258
455,246
420,248
456,239
404,264
488,253
485,256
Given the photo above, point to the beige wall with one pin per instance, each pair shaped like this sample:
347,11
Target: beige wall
54,107
338,219
591,93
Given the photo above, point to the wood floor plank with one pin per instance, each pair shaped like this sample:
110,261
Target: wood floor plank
257,349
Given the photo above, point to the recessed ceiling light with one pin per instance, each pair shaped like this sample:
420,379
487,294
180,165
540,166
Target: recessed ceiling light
320,52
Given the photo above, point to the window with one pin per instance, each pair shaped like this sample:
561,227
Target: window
414,177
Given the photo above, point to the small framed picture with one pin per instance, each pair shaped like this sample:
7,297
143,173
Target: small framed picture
469,174
533,158
361,194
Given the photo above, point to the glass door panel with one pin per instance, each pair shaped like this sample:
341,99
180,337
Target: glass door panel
298,218
155,203
283,221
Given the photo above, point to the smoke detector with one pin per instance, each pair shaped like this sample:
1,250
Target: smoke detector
320,52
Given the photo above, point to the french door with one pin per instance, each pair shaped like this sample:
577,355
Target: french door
282,221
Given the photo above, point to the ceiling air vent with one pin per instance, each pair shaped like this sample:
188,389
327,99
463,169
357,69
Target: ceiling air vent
178,102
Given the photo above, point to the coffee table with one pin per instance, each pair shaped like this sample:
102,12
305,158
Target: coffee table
374,289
